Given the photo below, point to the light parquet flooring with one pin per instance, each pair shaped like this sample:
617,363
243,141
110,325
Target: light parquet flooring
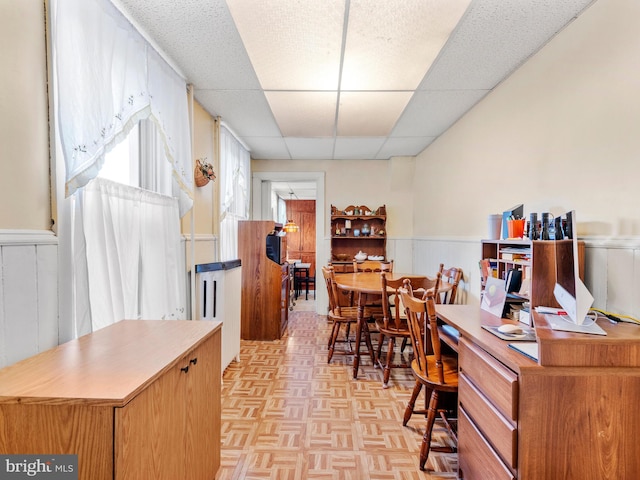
287,414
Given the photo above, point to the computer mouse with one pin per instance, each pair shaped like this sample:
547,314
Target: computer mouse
510,328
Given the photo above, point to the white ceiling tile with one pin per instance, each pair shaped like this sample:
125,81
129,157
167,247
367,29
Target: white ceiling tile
199,36
313,148
304,114
272,148
292,45
246,111
370,113
494,38
358,148
390,45
430,113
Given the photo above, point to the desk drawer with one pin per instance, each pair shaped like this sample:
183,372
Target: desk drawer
496,429
492,378
478,461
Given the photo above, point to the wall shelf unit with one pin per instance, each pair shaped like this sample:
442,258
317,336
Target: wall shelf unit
357,228
536,259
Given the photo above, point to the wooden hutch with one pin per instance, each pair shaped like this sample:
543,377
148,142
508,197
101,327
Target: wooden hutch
264,309
357,228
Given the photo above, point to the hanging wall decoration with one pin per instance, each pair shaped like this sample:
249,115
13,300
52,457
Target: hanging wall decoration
203,172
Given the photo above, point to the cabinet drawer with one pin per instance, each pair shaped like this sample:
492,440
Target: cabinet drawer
477,459
342,268
495,428
492,378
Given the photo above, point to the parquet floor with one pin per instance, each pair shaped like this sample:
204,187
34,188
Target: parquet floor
287,414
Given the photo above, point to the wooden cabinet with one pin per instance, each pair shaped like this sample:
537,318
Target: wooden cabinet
302,244
139,399
349,234
572,414
265,283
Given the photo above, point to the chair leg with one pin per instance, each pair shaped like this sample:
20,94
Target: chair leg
387,368
417,388
426,439
379,349
332,342
367,338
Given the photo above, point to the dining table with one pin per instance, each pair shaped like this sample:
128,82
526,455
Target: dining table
365,285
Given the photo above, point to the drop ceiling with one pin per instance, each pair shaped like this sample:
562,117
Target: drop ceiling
345,79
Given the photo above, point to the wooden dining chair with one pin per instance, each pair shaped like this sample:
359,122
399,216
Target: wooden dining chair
437,372
373,301
452,276
373,266
392,323
343,315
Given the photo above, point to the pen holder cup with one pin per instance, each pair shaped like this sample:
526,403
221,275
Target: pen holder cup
515,228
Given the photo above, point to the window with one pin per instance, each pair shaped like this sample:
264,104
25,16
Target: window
122,163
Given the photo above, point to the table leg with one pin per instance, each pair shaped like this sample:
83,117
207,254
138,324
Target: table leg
356,352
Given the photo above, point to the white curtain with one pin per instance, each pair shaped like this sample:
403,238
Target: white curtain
120,246
107,78
235,166
134,260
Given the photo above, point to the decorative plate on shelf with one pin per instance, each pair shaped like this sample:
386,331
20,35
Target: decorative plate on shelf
376,257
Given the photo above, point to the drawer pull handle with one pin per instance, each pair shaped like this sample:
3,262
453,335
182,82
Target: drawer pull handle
193,360
185,369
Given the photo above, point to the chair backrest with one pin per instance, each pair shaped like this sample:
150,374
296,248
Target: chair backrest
421,285
392,307
373,266
332,289
422,319
451,275
326,274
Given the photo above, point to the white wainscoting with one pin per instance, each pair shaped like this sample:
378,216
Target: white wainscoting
612,269
429,253
612,274
28,294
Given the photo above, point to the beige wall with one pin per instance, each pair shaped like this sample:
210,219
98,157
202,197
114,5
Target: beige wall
561,133
360,182
24,147
204,197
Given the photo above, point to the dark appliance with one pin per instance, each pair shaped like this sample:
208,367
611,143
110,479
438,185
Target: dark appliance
276,248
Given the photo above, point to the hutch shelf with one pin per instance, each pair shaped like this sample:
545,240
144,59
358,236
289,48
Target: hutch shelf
357,228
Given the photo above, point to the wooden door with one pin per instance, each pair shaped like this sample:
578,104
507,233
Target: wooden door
302,244
149,430
203,414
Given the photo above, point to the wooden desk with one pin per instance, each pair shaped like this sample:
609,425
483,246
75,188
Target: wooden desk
136,400
520,419
365,283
